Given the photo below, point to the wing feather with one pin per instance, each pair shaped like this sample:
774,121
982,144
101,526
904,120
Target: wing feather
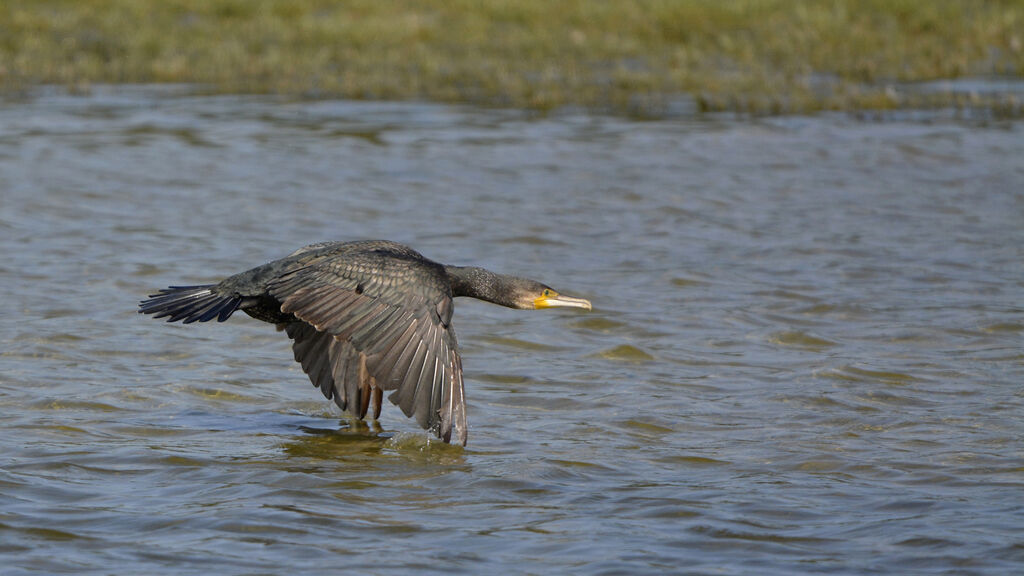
406,391
441,376
387,363
396,373
424,384
329,306
453,405
365,313
311,351
339,365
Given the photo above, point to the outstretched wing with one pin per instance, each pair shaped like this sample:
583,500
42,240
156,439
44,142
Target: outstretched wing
378,322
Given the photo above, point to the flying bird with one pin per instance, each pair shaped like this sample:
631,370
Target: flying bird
365,317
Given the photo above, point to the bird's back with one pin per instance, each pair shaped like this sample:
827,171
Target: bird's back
377,268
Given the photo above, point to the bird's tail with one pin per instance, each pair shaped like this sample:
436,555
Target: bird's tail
190,304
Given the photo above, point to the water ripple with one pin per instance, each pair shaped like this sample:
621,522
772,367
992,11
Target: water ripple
804,355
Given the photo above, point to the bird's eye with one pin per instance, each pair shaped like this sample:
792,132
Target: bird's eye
547,293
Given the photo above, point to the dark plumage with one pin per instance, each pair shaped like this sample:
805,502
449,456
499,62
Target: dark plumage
365,317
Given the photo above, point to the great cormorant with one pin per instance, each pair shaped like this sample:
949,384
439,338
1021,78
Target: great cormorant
365,317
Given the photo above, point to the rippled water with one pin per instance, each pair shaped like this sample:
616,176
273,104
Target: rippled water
805,354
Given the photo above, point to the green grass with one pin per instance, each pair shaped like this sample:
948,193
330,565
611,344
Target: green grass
758,56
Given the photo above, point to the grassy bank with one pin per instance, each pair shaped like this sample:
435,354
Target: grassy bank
628,57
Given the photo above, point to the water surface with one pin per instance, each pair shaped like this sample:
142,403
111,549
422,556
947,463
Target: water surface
805,354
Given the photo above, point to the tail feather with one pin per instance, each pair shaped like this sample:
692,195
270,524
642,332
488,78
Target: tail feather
190,304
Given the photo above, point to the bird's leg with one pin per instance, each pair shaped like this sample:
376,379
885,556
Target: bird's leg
378,395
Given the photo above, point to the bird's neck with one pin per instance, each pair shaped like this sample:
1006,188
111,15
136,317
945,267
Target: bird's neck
481,284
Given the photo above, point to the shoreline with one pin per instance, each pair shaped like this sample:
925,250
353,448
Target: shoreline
751,57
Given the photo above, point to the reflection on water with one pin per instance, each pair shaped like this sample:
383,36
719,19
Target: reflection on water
805,354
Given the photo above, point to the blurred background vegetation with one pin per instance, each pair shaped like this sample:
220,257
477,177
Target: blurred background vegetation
634,57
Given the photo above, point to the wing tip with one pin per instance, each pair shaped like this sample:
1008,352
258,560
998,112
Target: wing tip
189,304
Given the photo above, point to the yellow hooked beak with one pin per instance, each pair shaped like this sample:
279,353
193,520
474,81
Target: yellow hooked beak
552,299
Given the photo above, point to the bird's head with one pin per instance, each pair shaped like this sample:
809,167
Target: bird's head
511,291
548,298
529,294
